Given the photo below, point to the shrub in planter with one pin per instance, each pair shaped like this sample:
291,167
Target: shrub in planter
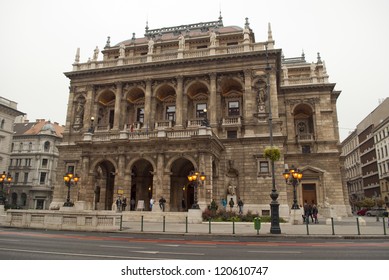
273,153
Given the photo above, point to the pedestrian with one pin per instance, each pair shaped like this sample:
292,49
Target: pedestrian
306,211
240,205
132,204
124,203
310,212
151,204
224,203
118,204
183,204
162,202
315,211
231,203
213,206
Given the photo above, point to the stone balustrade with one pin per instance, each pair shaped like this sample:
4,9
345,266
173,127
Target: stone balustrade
63,219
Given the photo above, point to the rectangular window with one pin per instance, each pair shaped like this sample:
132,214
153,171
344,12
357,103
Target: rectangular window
201,110
16,177
171,113
42,178
25,177
140,115
233,108
70,169
306,149
232,134
44,162
264,167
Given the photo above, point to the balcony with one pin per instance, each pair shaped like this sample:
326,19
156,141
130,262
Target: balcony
305,137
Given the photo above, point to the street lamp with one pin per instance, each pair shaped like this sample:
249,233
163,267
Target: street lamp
293,177
205,122
274,205
4,179
91,128
70,180
196,179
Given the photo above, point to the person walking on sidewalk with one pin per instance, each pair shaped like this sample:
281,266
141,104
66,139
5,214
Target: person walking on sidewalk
315,211
240,205
231,203
151,204
162,202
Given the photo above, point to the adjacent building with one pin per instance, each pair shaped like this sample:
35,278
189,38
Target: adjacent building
33,163
199,97
365,153
8,113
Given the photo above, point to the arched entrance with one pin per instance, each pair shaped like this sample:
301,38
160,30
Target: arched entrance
181,192
142,182
104,185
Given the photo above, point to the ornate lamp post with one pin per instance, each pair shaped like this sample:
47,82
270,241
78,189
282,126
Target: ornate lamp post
274,205
293,177
205,122
4,179
196,179
91,128
70,180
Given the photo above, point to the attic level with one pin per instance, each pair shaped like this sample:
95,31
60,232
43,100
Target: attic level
179,42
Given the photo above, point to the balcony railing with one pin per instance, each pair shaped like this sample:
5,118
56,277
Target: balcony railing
305,137
91,64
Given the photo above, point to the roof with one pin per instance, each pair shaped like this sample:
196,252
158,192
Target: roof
38,128
189,30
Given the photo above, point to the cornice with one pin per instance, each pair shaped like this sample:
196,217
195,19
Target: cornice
181,62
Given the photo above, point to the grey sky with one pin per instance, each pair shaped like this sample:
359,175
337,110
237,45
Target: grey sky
39,40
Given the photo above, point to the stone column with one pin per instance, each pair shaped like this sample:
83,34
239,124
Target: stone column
147,117
179,104
89,107
118,101
213,102
69,115
249,99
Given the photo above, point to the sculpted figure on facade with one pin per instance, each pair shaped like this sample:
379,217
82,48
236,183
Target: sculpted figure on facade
96,53
79,114
213,39
181,42
121,51
151,46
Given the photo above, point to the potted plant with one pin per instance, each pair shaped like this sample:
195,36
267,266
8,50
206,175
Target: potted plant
273,153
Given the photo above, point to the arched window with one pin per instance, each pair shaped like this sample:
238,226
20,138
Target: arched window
14,199
24,199
46,146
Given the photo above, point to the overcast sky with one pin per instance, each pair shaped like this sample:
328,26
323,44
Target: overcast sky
39,39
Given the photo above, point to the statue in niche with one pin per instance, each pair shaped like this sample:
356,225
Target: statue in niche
261,100
79,115
232,174
231,190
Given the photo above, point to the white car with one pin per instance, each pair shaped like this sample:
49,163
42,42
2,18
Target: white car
375,212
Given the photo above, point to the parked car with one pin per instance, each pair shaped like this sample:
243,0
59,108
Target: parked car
362,212
375,212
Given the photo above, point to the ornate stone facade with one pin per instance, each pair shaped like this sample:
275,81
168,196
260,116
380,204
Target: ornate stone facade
140,120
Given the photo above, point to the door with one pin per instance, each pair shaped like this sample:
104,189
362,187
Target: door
309,193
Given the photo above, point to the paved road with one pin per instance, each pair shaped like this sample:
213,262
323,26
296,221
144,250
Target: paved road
57,245
351,227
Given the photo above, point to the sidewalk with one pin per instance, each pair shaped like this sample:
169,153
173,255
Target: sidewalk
347,228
